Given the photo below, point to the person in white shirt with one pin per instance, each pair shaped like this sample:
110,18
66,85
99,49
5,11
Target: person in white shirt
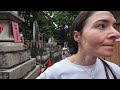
93,36
65,53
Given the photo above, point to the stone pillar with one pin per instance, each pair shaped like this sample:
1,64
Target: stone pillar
15,59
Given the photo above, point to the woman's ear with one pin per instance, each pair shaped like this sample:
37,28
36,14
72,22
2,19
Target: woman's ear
76,36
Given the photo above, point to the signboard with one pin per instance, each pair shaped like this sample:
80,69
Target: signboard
1,28
16,34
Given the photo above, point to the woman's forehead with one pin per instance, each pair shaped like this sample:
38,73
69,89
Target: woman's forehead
101,15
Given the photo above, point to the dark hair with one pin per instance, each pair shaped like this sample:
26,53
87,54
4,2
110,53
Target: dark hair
78,25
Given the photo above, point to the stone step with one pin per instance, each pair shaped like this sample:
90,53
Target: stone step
19,71
11,47
34,73
8,60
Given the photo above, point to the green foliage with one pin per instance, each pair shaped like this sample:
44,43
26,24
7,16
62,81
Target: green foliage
63,21
56,23
46,25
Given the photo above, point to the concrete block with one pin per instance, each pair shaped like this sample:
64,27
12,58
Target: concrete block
34,73
45,57
10,46
56,54
9,15
18,71
8,60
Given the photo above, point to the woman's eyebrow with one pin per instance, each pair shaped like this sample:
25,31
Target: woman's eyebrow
105,21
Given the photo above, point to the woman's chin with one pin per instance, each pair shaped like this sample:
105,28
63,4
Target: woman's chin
107,55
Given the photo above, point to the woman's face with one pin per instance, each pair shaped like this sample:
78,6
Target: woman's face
99,34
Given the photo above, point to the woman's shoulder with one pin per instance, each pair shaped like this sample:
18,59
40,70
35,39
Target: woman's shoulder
60,64
111,64
114,66
54,71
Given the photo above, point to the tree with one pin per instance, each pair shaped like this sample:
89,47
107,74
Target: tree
63,21
46,23
55,23
30,17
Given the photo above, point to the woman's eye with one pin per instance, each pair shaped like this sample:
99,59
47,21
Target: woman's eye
102,26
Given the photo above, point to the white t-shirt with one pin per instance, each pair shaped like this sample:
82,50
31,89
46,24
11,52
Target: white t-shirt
65,69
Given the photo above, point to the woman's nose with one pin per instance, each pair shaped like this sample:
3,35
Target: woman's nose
114,34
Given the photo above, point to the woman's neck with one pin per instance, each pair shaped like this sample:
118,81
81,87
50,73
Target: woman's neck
82,59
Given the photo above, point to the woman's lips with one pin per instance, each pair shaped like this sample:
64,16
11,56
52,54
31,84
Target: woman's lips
109,45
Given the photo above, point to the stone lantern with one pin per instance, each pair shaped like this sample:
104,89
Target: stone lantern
15,59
